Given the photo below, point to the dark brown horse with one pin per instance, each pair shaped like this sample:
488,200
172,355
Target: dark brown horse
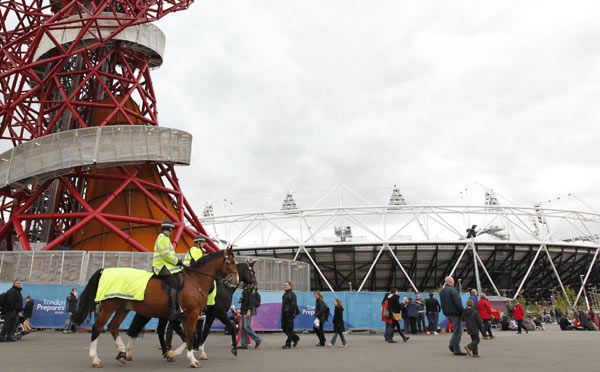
198,279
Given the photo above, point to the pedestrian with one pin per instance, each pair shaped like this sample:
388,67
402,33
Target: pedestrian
289,310
473,297
432,307
321,315
421,319
474,326
413,314
386,317
485,311
509,310
12,306
396,311
452,308
71,307
518,313
248,310
404,313
27,313
338,323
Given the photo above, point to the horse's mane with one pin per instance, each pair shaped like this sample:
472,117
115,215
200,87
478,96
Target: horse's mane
208,258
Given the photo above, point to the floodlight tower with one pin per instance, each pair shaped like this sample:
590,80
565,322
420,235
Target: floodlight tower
89,167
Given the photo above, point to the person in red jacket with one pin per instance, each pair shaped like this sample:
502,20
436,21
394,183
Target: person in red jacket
485,312
518,314
386,316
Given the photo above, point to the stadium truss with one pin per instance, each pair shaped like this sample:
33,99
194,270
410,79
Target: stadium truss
519,250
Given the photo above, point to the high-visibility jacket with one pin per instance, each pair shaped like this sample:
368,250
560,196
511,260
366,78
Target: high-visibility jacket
194,254
164,255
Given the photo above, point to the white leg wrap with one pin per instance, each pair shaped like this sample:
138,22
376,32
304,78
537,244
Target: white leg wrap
130,345
190,355
120,344
93,351
180,349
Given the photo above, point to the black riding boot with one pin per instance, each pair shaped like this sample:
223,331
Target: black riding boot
174,312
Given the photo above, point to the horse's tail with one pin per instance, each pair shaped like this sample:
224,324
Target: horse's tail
137,325
87,301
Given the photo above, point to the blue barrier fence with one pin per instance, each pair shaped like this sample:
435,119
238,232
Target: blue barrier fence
362,310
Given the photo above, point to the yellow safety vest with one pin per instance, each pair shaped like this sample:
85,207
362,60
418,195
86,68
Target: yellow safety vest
195,253
164,255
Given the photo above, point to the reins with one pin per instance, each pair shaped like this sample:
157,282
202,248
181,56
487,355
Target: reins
207,274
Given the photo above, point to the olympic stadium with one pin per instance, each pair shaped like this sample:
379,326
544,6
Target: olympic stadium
530,251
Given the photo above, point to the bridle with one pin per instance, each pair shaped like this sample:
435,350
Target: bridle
227,280
252,283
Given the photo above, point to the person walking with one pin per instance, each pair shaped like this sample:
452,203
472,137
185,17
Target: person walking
320,317
518,313
474,326
386,317
432,307
338,323
509,309
12,306
27,313
421,317
71,308
248,311
289,310
413,314
485,312
165,264
452,308
396,311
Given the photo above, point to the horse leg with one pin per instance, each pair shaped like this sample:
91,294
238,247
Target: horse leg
105,312
160,331
227,322
135,328
130,348
210,318
189,326
113,327
199,338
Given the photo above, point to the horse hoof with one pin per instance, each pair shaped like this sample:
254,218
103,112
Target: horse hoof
121,357
97,364
129,357
203,357
234,352
194,365
169,354
170,359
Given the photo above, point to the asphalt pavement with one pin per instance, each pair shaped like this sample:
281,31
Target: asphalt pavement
51,351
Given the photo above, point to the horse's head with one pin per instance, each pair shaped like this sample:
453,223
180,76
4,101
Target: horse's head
229,269
246,274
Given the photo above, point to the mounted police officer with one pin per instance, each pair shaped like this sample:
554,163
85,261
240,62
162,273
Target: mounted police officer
196,251
165,264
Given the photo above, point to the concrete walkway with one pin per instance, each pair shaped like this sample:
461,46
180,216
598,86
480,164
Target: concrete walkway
51,351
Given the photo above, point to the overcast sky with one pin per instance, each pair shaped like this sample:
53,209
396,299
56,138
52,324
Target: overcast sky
436,97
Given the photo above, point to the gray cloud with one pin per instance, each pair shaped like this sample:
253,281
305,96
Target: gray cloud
431,96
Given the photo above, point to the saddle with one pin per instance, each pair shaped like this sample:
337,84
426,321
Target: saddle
165,286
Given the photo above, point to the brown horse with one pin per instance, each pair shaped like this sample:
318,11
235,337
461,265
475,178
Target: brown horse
198,279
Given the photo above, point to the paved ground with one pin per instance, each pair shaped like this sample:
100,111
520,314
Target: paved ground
51,351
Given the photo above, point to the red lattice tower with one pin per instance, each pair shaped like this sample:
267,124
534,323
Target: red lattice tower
70,65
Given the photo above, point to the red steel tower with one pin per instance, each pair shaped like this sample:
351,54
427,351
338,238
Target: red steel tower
89,168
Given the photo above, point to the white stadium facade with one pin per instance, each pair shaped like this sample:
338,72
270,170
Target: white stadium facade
511,250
